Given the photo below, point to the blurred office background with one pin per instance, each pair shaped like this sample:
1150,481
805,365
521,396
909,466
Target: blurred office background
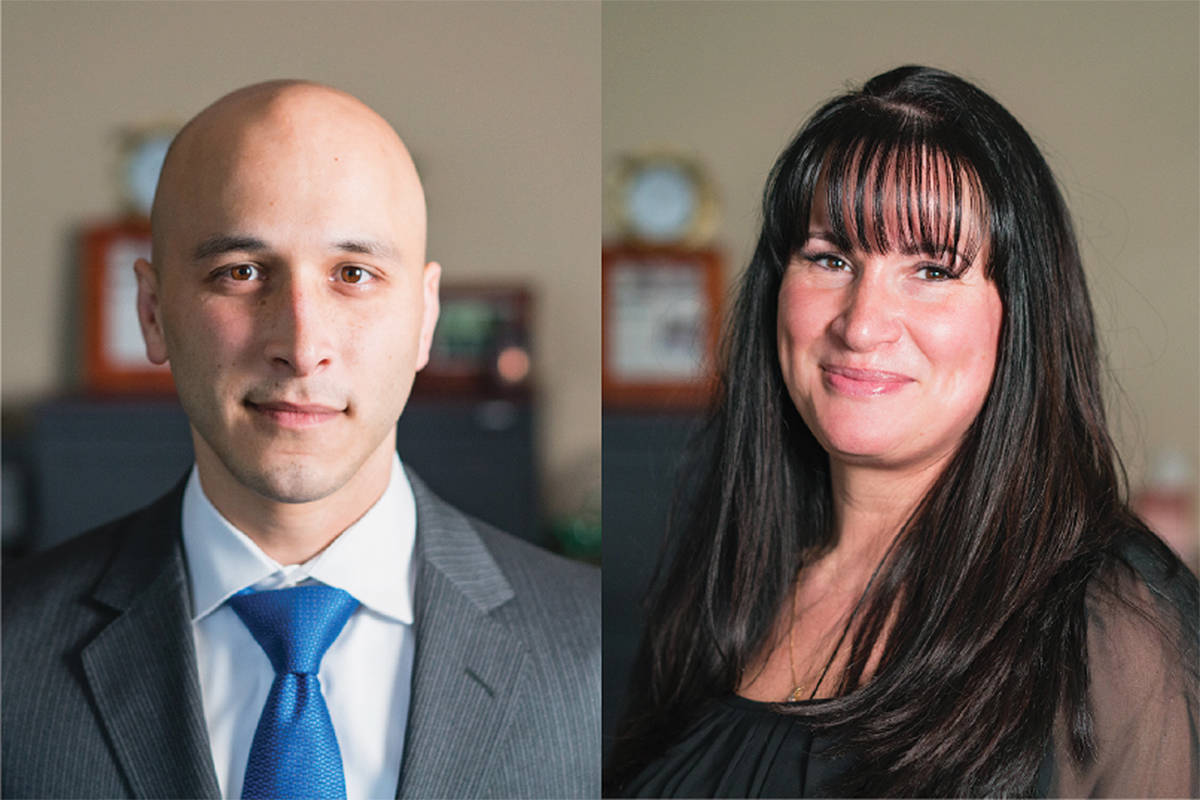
499,104
1108,90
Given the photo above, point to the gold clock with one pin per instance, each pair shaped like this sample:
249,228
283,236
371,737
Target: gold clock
143,149
663,197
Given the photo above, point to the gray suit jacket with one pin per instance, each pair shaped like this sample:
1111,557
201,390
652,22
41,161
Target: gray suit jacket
101,697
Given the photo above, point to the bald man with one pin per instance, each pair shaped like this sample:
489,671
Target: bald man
301,616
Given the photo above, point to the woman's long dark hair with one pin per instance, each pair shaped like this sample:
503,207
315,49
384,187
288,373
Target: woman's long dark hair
982,593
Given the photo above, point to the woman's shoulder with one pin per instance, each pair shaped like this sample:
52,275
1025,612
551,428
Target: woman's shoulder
1142,621
1142,673
1146,553
1143,589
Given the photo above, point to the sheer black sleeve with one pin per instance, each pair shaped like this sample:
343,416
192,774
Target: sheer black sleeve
1143,674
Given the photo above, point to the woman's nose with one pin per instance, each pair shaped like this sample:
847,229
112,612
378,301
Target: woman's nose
870,316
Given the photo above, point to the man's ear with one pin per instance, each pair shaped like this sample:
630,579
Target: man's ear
148,311
430,307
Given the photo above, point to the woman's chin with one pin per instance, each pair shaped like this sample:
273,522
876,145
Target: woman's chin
862,443
865,455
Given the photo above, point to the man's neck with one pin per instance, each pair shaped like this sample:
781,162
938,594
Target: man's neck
292,533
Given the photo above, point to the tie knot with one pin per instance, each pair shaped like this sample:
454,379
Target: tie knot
295,626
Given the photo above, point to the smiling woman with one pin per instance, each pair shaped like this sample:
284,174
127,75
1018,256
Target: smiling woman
887,355
905,567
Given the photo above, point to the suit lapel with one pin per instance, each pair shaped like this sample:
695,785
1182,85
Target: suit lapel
142,667
467,664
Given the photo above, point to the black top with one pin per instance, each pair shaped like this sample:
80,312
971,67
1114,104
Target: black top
743,748
1142,696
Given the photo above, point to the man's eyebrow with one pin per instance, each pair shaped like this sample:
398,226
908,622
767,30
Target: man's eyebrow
231,243
366,247
224,243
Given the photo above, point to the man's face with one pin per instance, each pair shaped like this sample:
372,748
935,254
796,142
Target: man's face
291,297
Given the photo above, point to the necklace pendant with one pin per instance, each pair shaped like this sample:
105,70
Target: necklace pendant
797,695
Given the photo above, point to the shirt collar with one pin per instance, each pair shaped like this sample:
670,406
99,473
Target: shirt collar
371,559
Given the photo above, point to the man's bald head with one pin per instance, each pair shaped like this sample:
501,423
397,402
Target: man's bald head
290,294
316,126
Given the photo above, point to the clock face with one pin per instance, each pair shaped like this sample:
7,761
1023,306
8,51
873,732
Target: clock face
661,201
142,167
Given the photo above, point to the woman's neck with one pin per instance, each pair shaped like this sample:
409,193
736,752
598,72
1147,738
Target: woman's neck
870,505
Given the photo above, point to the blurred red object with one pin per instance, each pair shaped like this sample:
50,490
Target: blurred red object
1167,505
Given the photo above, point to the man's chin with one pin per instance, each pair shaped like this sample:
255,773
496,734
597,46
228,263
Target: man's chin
292,483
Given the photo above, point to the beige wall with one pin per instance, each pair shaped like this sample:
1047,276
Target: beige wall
1109,90
499,103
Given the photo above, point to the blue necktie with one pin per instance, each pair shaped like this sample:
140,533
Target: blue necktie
295,751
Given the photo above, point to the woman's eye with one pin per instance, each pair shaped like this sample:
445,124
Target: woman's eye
931,272
831,262
353,274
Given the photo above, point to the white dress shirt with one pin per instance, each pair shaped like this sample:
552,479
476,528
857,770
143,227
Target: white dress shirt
366,675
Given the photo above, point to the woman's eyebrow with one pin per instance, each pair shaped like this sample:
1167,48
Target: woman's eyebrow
905,247
921,249
840,242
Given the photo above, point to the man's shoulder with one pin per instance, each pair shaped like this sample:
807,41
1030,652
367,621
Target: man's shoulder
532,569
541,591
73,568
556,601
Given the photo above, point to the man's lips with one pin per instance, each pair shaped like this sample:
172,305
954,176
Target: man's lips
863,382
295,415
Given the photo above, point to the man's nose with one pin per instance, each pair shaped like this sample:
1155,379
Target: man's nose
870,315
299,327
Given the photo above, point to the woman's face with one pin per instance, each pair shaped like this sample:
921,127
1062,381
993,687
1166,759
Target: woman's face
887,356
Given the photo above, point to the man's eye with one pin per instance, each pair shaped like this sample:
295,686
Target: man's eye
353,274
243,272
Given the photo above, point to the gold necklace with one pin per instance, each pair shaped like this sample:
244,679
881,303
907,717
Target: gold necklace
797,693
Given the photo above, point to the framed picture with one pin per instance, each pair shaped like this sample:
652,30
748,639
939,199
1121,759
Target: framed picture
114,355
481,346
661,317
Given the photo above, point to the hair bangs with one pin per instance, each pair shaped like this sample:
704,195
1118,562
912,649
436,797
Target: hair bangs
899,191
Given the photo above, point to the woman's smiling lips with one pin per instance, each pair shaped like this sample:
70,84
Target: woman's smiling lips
294,415
862,382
